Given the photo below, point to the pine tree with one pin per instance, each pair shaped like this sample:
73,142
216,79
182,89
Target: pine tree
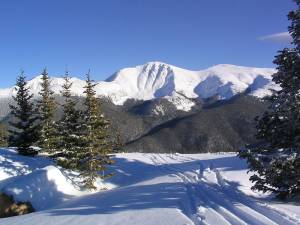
46,108
96,149
24,133
276,160
69,142
3,135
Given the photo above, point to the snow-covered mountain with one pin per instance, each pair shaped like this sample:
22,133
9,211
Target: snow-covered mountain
160,80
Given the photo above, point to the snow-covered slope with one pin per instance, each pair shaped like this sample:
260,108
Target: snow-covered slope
173,189
157,80
56,86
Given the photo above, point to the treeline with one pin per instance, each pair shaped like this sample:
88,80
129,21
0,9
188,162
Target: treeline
80,140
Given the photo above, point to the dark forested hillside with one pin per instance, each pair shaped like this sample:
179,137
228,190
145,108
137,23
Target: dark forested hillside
211,126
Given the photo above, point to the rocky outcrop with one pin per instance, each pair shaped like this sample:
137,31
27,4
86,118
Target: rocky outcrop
8,207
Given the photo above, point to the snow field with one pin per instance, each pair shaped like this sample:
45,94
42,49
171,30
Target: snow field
152,189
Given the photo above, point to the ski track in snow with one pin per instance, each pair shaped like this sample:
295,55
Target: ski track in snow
212,201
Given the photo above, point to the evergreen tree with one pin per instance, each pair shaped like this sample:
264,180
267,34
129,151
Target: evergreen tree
95,153
276,160
69,142
46,108
3,135
24,132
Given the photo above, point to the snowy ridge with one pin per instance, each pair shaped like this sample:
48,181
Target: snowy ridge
160,80
156,80
56,83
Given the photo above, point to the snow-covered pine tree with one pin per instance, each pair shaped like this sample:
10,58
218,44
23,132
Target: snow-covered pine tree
69,142
46,108
24,132
95,153
276,160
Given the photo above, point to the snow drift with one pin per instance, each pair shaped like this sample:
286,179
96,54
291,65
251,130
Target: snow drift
38,180
13,164
43,188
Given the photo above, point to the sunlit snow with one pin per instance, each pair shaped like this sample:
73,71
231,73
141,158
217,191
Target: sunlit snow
150,189
161,80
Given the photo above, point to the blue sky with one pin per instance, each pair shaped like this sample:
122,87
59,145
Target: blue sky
107,35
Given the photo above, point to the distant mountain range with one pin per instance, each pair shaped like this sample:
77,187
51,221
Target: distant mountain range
158,107
160,80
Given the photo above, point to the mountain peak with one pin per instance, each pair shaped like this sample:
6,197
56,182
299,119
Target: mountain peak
161,80
155,63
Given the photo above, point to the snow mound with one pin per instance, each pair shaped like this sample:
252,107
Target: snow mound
39,181
13,164
160,80
43,188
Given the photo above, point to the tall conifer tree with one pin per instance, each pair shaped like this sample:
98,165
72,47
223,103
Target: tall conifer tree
95,154
276,162
69,142
46,108
24,132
